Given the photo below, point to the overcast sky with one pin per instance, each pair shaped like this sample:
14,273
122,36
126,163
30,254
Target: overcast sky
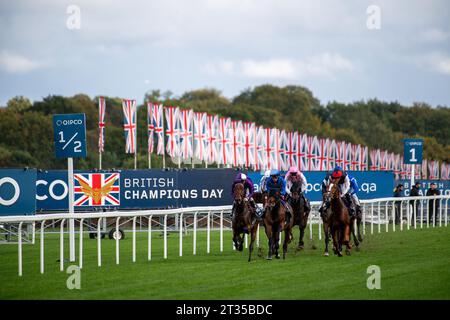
125,48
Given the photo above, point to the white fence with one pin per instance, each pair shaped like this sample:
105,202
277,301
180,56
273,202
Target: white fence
413,212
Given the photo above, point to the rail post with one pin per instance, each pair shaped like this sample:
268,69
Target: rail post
19,255
42,246
81,244
99,242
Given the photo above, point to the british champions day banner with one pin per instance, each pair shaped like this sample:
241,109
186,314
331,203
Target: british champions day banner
135,189
17,191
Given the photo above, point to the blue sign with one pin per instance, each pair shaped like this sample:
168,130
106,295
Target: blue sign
135,189
372,184
17,192
146,189
412,151
442,185
69,131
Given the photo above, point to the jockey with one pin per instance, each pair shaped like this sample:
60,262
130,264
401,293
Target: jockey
277,184
248,187
353,192
344,188
263,181
294,175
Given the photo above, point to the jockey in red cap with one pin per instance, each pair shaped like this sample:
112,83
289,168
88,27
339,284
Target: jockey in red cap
340,177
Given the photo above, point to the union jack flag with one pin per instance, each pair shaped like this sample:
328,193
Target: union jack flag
283,149
236,145
129,124
96,189
364,158
291,147
211,138
172,131
151,126
260,148
302,151
224,155
200,129
247,139
445,171
101,124
185,118
424,168
158,126
322,156
433,167
374,160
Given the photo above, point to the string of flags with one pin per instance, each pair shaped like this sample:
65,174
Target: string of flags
185,134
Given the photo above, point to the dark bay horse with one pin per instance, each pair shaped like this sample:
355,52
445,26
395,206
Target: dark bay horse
340,221
244,220
355,221
300,218
326,219
275,223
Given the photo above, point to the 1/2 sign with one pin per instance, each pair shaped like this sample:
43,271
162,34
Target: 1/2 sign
412,151
69,131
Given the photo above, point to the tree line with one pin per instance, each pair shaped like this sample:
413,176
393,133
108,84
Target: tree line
27,134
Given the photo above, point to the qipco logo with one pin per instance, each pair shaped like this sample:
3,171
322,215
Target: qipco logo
9,198
69,122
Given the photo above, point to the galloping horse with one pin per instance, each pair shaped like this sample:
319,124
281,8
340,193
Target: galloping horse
358,218
243,220
340,222
300,218
274,223
326,219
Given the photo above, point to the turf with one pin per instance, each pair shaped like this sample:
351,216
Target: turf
415,264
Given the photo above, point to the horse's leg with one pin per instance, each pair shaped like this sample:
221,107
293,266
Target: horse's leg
336,244
287,233
268,230
326,231
252,241
353,232
358,222
276,240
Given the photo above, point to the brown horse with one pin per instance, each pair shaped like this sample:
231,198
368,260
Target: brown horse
244,219
300,218
326,219
274,223
340,222
356,220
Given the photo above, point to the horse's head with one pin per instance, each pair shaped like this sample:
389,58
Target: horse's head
334,190
239,193
272,200
296,191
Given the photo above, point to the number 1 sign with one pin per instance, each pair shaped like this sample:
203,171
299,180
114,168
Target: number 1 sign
412,151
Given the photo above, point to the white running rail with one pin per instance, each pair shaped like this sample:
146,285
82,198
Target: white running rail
413,212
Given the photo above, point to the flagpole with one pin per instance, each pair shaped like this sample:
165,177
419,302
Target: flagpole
149,119
164,140
192,145
100,160
135,139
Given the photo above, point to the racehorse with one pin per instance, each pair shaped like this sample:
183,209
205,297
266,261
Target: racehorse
274,223
357,238
243,220
340,222
300,218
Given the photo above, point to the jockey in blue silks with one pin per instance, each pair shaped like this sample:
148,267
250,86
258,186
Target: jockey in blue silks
277,185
